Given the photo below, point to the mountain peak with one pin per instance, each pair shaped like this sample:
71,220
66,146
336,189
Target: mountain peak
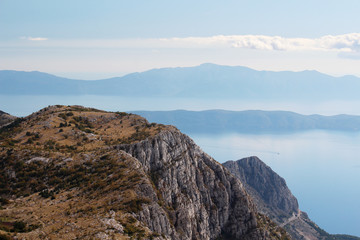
269,186
78,127
209,65
77,171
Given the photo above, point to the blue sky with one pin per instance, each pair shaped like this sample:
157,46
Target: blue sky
94,39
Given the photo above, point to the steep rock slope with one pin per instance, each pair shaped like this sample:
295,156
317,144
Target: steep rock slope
274,199
204,200
268,189
71,172
5,118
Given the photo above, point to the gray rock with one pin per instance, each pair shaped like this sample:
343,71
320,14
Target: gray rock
268,189
274,199
197,195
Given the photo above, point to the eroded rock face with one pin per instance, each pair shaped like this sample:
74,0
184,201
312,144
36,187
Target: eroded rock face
268,189
273,198
203,200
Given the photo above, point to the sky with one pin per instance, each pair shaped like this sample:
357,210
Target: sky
99,39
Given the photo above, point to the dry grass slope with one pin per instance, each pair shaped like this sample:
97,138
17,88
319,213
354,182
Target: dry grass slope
61,179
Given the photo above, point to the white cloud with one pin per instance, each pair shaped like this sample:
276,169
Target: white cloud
34,38
37,39
342,43
347,43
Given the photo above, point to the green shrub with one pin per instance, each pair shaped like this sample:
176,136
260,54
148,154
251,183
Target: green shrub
63,116
19,226
46,194
122,114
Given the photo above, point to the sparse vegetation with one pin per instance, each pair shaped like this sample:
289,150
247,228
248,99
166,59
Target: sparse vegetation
46,193
275,231
19,226
41,161
4,201
4,237
122,114
131,229
39,176
10,129
16,226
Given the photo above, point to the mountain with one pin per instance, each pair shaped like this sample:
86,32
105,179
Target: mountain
274,199
215,121
200,82
70,172
268,189
33,83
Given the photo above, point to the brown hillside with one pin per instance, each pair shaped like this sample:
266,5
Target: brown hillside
70,172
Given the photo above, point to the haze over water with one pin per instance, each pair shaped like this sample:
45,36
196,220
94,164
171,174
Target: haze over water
321,168
23,105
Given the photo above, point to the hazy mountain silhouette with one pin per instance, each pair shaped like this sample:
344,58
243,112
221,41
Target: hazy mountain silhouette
204,81
213,121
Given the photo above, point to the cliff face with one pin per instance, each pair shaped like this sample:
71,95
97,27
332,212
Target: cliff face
73,172
203,200
267,188
274,199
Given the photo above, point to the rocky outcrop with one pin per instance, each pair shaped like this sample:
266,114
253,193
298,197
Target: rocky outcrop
5,118
88,173
268,189
274,199
202,199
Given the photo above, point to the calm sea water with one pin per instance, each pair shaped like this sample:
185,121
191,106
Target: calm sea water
25,105
322,169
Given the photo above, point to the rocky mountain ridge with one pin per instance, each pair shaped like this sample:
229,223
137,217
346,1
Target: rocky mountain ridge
274,199
268,189
74,172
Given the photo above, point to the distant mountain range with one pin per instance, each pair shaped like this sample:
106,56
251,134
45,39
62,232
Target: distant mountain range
204,81
215,121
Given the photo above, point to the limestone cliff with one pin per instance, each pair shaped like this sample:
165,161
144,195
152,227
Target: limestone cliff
274,199
203,200
268,189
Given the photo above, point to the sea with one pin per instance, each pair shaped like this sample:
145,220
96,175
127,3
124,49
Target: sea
321,168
